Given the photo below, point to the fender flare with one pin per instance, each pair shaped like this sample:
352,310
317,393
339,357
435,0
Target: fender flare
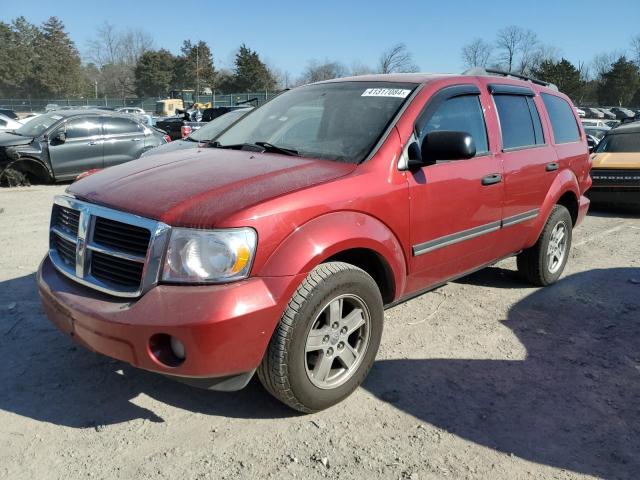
32,160
566,181
327,235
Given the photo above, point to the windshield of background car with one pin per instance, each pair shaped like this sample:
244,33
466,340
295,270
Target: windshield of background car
38,125
620,143
595,132
339,121
214,127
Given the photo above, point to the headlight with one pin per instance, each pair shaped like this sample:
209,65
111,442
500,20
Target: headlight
209,255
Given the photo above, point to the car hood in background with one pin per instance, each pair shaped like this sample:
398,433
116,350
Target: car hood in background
10,140
616,160
202,188
172,147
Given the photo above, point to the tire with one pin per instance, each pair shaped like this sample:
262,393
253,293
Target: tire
11,177
535,264
292,368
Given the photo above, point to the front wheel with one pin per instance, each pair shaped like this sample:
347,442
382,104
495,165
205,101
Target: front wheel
543,263
327,339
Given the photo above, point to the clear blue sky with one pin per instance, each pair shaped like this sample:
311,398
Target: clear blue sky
289,33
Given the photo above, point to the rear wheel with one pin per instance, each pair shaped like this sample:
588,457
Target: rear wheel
327,339
543,263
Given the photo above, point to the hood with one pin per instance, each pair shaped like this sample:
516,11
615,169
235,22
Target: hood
202,188
171,147
616,160
10,140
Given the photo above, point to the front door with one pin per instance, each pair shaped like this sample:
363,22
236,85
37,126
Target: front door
455,206
80,151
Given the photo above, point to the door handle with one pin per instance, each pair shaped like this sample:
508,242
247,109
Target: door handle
492,179
136,139
95,142
551,166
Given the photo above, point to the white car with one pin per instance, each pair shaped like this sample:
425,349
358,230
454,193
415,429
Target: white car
592,122
581,113
132,110
7,123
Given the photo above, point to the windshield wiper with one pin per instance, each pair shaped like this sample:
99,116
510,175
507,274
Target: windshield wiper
264,146
270,147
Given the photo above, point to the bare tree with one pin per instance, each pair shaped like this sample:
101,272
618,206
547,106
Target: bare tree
635,49
105,48
509,44
477,54
397,60
359,68
532,52
602,62
317,71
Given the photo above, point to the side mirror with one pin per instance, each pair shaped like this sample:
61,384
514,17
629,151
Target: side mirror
447,145
59,137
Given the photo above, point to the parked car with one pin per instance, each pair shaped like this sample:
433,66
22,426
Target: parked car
622,114
174,126
209,114
7,123
9,113
612,123
616,167
277,251
59,145
593,113
581,113
597,132
609,115
591,122
131,110
202,136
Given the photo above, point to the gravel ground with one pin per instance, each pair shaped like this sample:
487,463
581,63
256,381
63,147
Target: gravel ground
482,378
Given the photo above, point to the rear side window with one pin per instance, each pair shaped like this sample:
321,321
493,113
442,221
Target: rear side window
461,114
563,122
519,121
115,126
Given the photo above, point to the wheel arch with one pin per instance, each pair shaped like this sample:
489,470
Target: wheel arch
347,236
35,169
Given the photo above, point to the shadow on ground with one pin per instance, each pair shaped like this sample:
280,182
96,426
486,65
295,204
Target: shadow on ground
573,403
47,377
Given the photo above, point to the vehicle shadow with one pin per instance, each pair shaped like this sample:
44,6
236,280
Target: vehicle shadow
495,277
573,403
47,377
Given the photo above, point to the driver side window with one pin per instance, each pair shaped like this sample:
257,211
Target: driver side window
460,114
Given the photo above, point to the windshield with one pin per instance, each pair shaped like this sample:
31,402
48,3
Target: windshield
620,143
339,121
212,129
38,125
596,132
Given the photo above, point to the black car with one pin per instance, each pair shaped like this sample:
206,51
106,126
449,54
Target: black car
9,113
203,135
209,114
59,145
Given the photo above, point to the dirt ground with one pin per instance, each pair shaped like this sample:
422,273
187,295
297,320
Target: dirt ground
483,378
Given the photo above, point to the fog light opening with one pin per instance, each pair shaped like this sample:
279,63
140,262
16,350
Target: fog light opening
167,350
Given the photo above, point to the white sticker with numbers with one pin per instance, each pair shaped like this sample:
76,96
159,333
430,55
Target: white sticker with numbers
386,92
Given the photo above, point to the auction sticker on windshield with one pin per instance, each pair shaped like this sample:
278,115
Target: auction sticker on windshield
386,92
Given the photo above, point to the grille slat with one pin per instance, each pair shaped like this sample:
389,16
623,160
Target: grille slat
66,219
128,238
116,270
66,250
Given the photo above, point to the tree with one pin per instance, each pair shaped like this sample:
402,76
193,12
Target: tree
602,63
317,71
116,54
477,53
564,75
19,51
251,73
635,49
154,73
59,71
619,84
397,59
194,67
509,44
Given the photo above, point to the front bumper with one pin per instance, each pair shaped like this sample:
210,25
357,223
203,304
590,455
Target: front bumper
225,328
621,186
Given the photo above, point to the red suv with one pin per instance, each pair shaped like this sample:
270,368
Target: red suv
277,250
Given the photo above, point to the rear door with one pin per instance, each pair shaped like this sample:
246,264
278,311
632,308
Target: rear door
455,206
529,160
123,140
81,150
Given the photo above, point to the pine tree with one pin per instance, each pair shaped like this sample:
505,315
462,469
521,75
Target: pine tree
154,73
564,75
58,66
251,74
619,84
194,67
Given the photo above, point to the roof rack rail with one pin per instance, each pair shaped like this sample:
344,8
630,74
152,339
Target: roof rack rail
479,71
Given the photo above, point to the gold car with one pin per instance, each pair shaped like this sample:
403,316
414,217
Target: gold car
616,167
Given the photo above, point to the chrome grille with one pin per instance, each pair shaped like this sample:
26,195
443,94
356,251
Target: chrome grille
108,250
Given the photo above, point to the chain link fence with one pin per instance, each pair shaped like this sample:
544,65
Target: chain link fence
33,105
